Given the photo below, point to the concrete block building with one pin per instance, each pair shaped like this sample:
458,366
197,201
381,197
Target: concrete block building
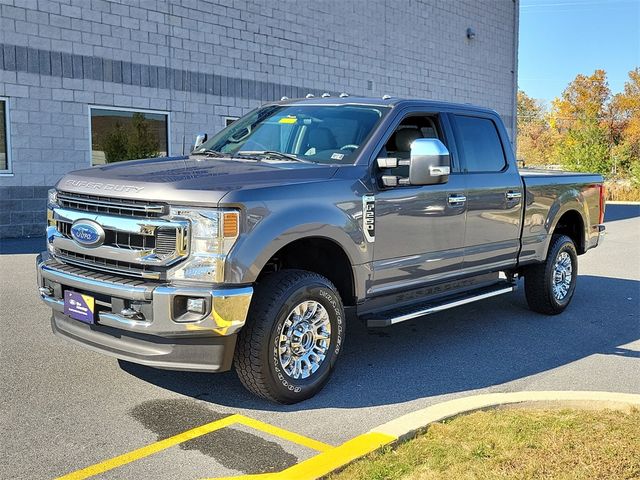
74,71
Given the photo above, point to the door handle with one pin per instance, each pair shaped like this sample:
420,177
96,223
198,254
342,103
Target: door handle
511,195
457,199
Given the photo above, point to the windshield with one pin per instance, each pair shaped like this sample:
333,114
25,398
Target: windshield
316,133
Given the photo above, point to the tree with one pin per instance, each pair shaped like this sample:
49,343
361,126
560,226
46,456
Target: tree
535,138
581,116
626,106
585,149
584,100
138,141
114,144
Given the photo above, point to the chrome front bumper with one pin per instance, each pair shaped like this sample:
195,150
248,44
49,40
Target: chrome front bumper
159,334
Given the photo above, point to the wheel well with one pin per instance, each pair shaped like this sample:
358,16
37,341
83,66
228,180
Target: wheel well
319,255
571,225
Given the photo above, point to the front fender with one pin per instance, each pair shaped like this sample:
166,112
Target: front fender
270,230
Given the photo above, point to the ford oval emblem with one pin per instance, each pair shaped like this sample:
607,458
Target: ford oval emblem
87,233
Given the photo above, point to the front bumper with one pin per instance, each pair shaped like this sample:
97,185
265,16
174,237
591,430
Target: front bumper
144,322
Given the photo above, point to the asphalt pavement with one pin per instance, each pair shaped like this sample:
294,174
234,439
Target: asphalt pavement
64,408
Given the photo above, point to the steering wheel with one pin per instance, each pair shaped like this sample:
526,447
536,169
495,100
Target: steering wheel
349,146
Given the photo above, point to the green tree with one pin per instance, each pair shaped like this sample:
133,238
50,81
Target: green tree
122,143
114,144
585,149
581,117
142,142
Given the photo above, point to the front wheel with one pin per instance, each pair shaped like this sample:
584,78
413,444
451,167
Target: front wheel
549,286
294,333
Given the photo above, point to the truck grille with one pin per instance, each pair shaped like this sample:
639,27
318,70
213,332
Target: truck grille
138,242
112,206
108,265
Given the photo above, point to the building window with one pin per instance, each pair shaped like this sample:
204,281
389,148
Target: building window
127,134
5,146
229,120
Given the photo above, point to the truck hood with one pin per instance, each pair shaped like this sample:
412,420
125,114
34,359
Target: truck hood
189,180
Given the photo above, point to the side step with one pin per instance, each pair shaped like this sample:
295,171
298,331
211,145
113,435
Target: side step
391,317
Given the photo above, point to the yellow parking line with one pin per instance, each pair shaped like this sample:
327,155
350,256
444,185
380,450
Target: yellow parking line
285,434
149,449
326,462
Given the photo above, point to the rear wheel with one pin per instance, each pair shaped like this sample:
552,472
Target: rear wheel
295,330
549,286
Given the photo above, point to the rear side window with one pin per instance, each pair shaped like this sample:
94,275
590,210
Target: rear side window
480,144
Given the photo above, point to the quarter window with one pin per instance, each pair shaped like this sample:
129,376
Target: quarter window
124,134
4,135
480,144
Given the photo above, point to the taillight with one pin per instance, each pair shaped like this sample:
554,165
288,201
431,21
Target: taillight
603,194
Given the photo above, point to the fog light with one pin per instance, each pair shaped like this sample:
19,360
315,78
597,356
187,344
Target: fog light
196,305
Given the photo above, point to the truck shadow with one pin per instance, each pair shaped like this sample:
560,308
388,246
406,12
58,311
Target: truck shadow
477,346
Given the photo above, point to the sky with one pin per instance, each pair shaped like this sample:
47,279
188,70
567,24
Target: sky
562,38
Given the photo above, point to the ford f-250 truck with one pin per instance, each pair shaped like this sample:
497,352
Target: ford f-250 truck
255,249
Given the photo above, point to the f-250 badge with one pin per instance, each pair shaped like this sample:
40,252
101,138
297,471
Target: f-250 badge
369,217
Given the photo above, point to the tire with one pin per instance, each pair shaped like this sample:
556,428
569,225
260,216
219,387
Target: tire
539,279
259,357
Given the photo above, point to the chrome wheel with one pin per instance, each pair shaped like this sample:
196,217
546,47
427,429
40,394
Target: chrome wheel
562,276
304,339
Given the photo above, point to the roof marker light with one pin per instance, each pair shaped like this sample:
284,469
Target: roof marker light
325,95
386,97
284,98
309,95
344,95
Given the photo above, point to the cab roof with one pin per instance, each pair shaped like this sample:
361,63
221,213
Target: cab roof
385,101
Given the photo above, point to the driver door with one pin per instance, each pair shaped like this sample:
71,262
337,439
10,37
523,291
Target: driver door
419,229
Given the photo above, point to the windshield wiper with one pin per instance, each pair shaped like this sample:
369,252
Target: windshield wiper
210,153
273,154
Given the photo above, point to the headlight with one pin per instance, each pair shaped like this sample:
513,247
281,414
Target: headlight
52,196
212,235
52,202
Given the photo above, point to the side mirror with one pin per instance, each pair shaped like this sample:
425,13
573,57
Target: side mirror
200,139
430,162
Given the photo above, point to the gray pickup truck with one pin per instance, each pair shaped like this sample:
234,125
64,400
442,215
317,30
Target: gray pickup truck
256,249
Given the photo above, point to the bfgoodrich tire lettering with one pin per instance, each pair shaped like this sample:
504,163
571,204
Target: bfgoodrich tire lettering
258,353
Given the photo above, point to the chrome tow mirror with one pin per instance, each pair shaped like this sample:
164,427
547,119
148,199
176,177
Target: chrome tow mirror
200,139
430,162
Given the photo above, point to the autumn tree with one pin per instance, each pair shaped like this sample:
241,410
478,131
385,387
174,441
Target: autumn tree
581,118
626,106
535,138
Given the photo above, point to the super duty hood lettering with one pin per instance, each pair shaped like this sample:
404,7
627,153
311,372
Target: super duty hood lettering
107,187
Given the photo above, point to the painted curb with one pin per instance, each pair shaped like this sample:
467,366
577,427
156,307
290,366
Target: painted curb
409,425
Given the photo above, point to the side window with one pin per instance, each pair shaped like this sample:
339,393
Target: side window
480,143
410,128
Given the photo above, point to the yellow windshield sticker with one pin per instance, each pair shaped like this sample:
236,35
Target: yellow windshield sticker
287,120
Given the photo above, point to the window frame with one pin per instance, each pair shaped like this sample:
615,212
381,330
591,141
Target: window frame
458,139
7,172
128,109
448,139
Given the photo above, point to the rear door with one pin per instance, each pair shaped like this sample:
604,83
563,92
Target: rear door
494,193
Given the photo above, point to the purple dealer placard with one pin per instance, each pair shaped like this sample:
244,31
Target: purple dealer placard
79,306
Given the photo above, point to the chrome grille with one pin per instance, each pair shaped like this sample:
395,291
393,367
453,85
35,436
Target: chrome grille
133,246
134,241
112,206
108,265
165,243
